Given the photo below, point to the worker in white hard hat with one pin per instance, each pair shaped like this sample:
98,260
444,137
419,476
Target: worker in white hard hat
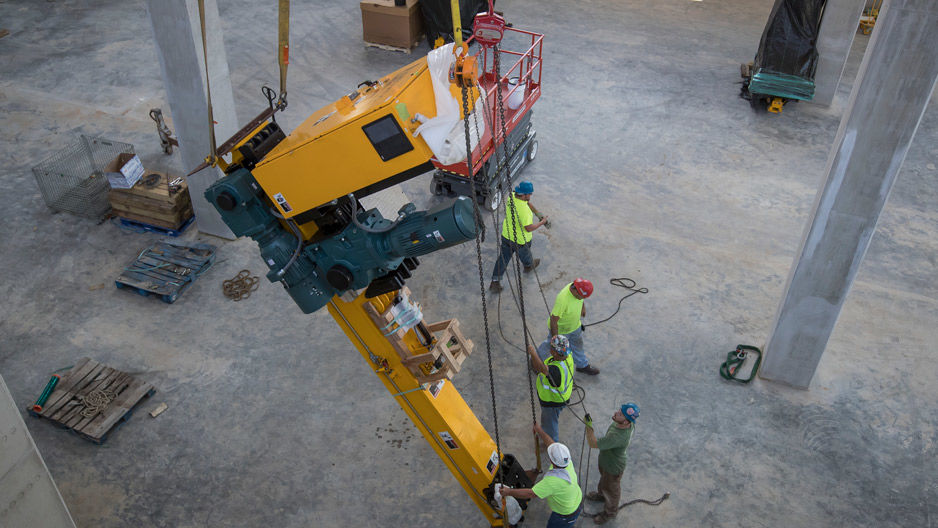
558,486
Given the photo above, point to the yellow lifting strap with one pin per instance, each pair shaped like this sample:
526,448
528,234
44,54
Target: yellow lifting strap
283,46
210,159
457,23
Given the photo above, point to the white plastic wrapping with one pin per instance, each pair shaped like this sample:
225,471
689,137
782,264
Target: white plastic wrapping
445,134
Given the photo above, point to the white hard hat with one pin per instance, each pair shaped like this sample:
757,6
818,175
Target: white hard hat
559,455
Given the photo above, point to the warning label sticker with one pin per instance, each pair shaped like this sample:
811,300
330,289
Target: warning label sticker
435,388
448,440
493,462
282,202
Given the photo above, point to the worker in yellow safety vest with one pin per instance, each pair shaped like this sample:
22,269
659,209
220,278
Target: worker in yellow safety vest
516,233
554,382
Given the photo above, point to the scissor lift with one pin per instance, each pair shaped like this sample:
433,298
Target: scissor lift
488,157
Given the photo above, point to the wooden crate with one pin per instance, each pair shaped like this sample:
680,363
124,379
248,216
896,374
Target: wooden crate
69,405
152,201
444,358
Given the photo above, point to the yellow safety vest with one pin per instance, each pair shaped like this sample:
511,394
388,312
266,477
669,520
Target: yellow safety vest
522,215
550,394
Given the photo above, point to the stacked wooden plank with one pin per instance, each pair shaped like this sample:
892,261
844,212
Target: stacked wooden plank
93,399
157,199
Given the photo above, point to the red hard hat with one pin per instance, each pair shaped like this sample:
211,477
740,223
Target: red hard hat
583,287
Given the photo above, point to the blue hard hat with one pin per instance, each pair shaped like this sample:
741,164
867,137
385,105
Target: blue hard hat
630,410
524,187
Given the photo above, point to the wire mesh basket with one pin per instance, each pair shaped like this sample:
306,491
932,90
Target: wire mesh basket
73,180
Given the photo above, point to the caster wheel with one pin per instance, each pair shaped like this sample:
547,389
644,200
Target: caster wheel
493,200
532,150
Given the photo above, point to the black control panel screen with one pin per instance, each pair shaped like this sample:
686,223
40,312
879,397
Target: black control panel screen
387,138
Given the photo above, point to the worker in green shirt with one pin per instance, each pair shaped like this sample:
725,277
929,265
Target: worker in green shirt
558,487
565,320
612,459
516,233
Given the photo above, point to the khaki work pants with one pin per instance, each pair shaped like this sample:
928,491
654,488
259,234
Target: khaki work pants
609,487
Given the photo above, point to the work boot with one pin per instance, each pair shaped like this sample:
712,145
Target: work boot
602,518
529,269
595,496
495,287
589,369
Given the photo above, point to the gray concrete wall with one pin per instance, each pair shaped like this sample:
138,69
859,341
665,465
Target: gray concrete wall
177,32
28,496
893,87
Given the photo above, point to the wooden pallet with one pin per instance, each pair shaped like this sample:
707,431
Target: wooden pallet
143,226
388,47
65,405
444,359
166,269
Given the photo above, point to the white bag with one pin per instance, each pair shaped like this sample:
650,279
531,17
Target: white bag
445,134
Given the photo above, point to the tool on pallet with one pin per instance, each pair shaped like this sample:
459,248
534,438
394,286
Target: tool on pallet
50,386
731,368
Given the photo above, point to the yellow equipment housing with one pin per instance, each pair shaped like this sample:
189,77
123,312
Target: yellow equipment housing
364,142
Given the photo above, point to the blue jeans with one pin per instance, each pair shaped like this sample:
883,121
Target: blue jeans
576,348
504,257
550,421
557,521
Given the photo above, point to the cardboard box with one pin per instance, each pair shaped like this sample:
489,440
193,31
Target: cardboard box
398,26
123,171
391,3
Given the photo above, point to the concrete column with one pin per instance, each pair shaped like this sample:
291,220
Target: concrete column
896,80
28,496
838,27
178,35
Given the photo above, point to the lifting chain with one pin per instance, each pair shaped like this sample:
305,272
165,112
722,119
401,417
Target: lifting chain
485,316
96,401
241,286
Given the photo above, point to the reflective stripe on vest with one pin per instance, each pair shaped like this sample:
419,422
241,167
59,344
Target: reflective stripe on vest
550,394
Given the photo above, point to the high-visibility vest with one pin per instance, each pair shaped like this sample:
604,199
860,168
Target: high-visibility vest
548,393
522,215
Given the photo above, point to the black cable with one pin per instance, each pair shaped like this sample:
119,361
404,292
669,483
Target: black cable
622,282
656,502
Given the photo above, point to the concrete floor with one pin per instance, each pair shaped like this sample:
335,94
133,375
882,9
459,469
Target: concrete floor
650,166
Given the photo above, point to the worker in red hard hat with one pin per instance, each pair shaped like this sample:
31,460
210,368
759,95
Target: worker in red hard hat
565,320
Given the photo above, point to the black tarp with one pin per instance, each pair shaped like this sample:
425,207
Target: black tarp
438,17
789,40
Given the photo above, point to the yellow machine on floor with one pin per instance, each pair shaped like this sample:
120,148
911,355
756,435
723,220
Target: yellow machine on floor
298,195
868,19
